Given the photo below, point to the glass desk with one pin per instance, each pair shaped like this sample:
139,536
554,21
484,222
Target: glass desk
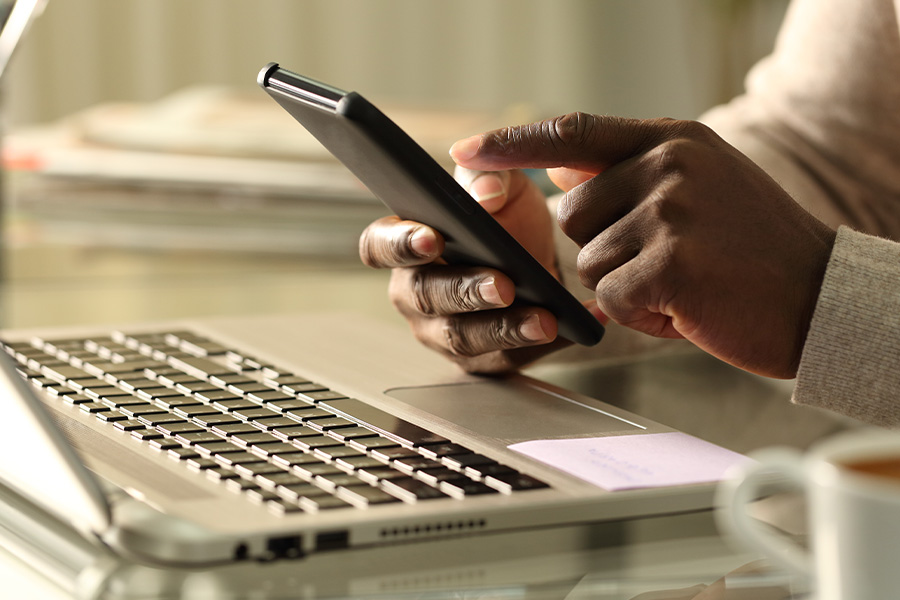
650,559
654,559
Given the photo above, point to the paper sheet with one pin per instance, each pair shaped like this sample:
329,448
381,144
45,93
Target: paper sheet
635,461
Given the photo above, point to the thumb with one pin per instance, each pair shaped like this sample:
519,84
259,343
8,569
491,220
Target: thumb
579,141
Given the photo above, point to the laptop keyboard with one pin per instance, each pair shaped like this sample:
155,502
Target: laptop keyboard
284,441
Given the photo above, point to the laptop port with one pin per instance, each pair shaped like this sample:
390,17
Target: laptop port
284,547
332,540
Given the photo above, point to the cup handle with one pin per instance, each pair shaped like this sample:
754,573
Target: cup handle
744,486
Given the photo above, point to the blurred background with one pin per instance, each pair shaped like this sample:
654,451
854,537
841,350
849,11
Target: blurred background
629,57
148,177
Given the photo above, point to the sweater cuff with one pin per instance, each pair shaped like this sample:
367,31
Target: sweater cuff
851,360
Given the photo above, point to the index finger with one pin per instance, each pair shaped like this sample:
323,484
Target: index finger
577,140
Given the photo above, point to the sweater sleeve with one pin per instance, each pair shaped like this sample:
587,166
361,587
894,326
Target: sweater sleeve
851,360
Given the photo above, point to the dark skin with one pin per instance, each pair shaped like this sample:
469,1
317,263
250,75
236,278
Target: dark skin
681,236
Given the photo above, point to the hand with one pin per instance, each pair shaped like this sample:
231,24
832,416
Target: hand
681,235
464,312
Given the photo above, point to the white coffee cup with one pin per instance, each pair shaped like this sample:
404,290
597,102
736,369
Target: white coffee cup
854,514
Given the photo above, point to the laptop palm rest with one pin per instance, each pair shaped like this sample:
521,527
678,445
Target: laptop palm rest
514,410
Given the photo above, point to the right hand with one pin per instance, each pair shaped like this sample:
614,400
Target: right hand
464,312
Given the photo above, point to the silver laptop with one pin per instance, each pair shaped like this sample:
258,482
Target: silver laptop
275,437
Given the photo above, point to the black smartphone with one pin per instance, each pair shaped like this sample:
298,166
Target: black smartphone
414,186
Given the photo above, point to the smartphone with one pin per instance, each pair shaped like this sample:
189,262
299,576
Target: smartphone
414,186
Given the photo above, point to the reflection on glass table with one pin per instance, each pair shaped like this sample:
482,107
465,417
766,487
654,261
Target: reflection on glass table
671,558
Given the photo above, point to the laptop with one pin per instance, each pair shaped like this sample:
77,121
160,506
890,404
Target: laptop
274,437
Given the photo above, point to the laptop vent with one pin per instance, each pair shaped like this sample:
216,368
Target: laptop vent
432,529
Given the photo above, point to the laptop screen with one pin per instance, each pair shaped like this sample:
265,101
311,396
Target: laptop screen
15,17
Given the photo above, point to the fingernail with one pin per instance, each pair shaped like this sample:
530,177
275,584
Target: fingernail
464,150
531,329
487,290
423,242
486,188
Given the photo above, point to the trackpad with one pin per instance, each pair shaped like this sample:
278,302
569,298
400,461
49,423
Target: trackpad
513,410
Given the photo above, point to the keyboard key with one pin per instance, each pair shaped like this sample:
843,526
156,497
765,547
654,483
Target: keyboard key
351,433
199,366
360,461
217,447
199,437
112,416
461,461
435,476
257,413
215,419
268,395
170,401
463,486
373,475
235,458
514,482
277,422
190,411
310,443
155,420
335,452
254,437
440,450
165,444
194,385
318,396
182,453
216,394
129,425
291,404
411,490
370,443
280,478
242,388
63,373
289,459
231,429
330,423
146,434
270,448
179,427
251,470
331,481
220,473
322,503
312,469
365,495
294,492
293,432
482,471
414,463
392,452
230,403
310,413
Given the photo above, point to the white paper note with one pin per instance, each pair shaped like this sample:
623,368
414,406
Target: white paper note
635,461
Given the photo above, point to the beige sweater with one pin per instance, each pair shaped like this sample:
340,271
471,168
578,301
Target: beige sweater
822,115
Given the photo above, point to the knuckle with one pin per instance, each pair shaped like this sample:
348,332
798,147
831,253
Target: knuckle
456,340
421,285
574,128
